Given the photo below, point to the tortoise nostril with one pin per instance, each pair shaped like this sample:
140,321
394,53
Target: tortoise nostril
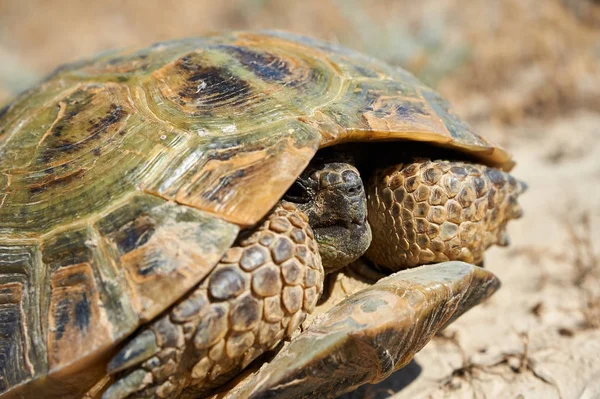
354,190
352,182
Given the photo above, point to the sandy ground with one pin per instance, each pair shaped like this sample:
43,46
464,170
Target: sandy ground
525,73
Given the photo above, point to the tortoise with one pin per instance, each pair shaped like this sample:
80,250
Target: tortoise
171,215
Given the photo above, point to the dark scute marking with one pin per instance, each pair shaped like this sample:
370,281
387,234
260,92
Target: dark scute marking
66,249
218,193
46,157
37,189
75,279
73,113
82,313
4,110
264,65
409,110
135,234
101,125
57,130
370,98
62,318
369,73
51,184
149,267
210,85
78,102
10,319
116,60
97,128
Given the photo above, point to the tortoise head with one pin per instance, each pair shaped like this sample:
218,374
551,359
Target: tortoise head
331,193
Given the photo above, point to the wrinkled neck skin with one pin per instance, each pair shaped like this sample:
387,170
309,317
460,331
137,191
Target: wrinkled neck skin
331,193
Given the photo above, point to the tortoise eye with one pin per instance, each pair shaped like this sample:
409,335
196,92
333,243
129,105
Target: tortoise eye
298,193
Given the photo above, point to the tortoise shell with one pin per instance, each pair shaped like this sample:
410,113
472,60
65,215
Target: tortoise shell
125,178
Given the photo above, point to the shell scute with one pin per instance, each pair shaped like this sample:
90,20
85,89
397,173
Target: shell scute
226,178
459,130
72,147
18,360
224,90
415,113
159,244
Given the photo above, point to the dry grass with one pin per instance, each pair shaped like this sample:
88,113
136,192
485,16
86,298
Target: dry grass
585,260
506,366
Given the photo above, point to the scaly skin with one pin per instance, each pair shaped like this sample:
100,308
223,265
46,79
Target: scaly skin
435,211
253,300
258,295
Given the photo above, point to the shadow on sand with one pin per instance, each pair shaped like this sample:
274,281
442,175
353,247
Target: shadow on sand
391,385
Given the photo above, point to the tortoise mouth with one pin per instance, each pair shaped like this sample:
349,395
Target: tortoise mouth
356,223
342,244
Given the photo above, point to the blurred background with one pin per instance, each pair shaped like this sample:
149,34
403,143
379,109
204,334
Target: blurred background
525,73
499,59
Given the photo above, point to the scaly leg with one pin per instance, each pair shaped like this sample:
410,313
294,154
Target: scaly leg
257,295
370,334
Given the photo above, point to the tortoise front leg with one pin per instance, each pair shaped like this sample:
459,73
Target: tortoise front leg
258,295
371,334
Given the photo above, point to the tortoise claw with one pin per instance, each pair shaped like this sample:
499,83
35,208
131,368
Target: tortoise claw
128,385
372,333
135,352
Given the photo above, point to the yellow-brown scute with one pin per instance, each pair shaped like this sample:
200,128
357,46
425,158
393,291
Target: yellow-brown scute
435,211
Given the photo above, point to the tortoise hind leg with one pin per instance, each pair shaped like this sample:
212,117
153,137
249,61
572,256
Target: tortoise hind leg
372,333
257,295
431,211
